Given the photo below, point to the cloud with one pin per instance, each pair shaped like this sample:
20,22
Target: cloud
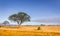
50,20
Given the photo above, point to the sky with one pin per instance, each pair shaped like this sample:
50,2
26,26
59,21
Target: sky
40,11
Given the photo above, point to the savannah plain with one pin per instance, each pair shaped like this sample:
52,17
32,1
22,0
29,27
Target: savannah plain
29,31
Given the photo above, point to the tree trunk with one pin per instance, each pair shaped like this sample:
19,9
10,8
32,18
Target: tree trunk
19,23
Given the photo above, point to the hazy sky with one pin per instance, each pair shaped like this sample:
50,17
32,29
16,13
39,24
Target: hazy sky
41,11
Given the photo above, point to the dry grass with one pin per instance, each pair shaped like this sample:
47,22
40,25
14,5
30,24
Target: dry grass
28,31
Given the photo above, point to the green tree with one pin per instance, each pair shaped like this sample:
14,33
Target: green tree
20,17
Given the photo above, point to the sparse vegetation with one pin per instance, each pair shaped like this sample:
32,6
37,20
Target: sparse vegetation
27,31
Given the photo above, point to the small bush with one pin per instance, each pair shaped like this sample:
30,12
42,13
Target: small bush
42,24
38,28
0,26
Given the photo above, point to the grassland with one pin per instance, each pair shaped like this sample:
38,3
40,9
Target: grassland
30,31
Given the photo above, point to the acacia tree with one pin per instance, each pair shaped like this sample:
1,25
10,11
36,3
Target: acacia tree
5,22
20,17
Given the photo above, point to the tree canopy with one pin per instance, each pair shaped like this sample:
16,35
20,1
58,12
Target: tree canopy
5,22
20,17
